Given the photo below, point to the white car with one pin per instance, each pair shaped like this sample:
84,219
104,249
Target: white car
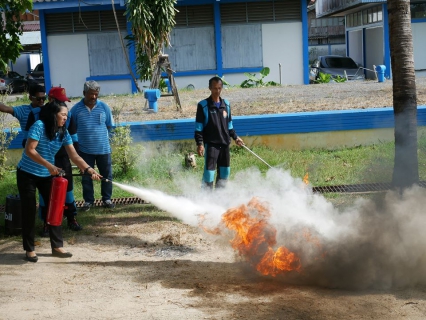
336,66
3,86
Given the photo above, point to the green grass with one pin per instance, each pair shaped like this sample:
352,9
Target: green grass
157,170
363,164
99,221
18,102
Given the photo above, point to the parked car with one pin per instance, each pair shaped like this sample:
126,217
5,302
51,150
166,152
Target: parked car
12,82
335,66
36,76
3,87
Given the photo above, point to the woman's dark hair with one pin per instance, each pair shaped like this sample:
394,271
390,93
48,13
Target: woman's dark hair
48,115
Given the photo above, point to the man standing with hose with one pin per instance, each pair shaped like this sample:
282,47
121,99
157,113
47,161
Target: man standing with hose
213,133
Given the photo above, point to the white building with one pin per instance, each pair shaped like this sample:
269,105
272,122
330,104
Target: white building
367,31
227,38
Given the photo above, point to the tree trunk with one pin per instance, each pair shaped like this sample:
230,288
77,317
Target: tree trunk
405,172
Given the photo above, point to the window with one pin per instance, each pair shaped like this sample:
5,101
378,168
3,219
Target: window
265,11
192,40
106,54
379,14
364,17
83,22
418,10
240,46
349,20
341,62
192,16
370,16
192,49
374,14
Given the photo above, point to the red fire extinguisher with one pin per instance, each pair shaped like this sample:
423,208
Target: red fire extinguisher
58,193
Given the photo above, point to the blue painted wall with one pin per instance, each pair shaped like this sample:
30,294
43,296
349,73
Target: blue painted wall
291,123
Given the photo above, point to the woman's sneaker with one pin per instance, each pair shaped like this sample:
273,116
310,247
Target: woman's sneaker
108,204
86,206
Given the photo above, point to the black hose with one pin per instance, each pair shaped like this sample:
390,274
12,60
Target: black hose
86,174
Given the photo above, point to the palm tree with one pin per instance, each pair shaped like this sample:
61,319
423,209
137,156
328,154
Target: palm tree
152,21
405,172
11,26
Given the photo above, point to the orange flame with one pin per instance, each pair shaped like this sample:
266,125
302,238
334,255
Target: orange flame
306,178
255,237
215,231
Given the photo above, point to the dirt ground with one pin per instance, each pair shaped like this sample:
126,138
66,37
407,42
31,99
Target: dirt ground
142,268
147,269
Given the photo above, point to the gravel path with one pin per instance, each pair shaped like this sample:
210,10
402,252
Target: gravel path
269,100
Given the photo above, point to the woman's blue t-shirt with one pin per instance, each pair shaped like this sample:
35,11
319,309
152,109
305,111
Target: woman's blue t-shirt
46,148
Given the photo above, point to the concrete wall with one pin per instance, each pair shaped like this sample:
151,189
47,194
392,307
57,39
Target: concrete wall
22,64
374,50
71,76
419,45
276,38
294,131
355,46
25,62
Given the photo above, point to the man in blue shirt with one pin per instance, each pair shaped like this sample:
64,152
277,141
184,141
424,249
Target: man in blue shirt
37,95
93,119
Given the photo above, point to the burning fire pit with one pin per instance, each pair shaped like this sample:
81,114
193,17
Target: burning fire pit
254,239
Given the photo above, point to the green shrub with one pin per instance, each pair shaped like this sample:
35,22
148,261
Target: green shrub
253,81
323,78
123,155
8,132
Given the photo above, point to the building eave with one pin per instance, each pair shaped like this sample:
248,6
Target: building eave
60,4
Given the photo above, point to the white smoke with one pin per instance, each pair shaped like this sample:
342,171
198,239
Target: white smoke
371,244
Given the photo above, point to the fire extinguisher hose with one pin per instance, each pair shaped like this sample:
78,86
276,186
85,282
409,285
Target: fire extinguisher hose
85,174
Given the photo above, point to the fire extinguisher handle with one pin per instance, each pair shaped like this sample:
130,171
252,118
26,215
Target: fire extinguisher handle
87,174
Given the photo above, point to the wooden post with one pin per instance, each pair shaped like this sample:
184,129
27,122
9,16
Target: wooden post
163,63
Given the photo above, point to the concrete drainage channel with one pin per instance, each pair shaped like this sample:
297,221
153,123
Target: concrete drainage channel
118,201
98,203
359,188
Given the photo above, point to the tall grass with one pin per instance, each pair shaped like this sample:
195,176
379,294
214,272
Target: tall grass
158,170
